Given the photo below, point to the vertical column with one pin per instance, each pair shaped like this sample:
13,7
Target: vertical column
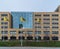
25,34
59,28
17,34
50,26
8,34
33,34
42,26
33,26
0,25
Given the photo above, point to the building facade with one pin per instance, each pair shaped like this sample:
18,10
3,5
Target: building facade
32,26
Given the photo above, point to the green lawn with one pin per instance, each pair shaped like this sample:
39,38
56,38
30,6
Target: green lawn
31,43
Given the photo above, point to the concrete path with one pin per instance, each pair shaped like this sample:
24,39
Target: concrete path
29,48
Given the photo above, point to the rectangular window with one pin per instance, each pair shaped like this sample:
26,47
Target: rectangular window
4,32
46,27
37,26
46,15
55,15
46,19
2,18
37,15
37,32
29,32
55,23
4,14
21,32
55,19
46,32
37,22
55,27
4,27
46,23
37,19
55,32
12,32
4,23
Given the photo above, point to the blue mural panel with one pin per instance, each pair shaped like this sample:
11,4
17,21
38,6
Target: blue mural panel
28,16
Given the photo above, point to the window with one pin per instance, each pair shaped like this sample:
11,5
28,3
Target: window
35,18
12,32
46,38
46,19
4,14
29,32
4,32
4,27
37,38
4,23
37,26
37,15
55,19
46,23
46,32
46,15
20,32
55,38
55,27
55,32
55,23
37,22
2,18
46,26
37,32
55,15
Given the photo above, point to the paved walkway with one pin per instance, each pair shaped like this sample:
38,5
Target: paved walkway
29,48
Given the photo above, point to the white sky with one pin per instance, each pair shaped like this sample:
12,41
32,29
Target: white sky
29,5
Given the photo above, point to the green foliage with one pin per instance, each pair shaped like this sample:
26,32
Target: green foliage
31,43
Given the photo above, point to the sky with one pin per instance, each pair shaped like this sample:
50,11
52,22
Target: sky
29,5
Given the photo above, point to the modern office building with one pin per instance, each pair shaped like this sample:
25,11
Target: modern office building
30,25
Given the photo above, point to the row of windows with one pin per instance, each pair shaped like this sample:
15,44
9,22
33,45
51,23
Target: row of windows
46,19
30,32
4,23
55,27
46,32
37,26
4,14
37,23
37,32
5,27
5,18
35,15
46,27
55,32
46,23
30,38
54,19
55,23
46,15
37,19
49,23
6,32
47,38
